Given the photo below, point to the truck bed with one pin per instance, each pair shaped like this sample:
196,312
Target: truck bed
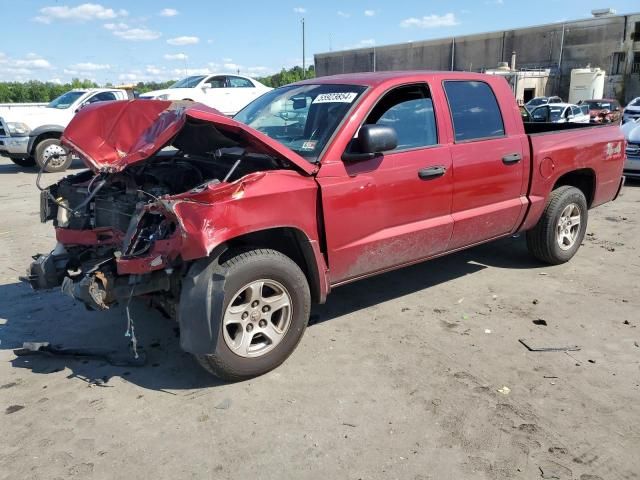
586,150
533,128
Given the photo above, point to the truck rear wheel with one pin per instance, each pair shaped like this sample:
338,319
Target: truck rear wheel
560,231
24,162
265,313
51,152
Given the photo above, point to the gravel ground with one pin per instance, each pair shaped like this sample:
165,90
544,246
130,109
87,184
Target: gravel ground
416,374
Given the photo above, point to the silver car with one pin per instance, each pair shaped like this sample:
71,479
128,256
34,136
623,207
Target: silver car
631,131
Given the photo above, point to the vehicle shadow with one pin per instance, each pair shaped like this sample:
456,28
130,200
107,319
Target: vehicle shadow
51,317
509,253
7,167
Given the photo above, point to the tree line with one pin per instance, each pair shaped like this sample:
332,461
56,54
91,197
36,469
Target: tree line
35,91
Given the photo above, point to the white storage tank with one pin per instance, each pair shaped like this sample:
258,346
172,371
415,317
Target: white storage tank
586,83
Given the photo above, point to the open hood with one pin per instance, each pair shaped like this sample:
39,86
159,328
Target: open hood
110,136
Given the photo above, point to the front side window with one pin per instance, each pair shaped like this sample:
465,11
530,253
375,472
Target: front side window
474,110
188,82
65,100
239,82
409,110
301,117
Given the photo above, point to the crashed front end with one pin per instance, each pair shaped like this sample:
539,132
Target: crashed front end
130,224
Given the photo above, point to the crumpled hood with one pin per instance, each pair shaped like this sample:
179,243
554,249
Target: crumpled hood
110,136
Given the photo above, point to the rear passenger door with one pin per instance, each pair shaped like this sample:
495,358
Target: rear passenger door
488,166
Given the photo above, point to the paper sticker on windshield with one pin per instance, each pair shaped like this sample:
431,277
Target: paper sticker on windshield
309,145
337,97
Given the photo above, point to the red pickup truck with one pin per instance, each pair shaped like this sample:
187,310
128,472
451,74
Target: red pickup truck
236,226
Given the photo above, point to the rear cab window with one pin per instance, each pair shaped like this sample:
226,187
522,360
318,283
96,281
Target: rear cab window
474,109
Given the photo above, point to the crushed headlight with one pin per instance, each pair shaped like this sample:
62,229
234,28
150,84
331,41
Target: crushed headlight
18,129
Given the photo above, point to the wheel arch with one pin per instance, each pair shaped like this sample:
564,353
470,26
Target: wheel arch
289,241
41,133
584,179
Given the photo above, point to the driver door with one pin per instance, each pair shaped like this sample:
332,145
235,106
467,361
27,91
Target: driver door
395,208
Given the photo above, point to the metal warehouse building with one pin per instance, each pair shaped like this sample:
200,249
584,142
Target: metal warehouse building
610,42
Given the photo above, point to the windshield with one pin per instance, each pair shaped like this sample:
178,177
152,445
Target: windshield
536,101
65,100
301,117
189,82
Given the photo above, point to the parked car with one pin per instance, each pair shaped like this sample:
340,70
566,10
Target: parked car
560,113
631,130
238,227
605,110
31,136
538,101
226,93
632,110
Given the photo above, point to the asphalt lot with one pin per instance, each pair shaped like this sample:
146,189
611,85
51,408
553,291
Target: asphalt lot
400,376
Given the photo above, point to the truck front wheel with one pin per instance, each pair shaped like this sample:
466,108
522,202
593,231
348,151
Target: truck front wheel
51,152
561,229
265,313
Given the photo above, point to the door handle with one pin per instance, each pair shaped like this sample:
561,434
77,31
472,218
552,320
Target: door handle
511,158
430,173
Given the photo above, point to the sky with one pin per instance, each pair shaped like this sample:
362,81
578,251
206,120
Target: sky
143,40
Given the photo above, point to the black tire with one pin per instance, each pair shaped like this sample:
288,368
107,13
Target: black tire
239,270
55,165
542,240
24,162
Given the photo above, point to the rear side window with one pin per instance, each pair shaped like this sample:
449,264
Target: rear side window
102,97
409,110
238,82
474,110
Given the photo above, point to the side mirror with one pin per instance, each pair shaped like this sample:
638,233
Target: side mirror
373,140
206,86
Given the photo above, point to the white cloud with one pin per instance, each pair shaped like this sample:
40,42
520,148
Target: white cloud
227,60
175,56
259,70
185,40
30,62
29,67
90,67
129,76
369,13
232,67
168,12
181,72
153,70
81,13
369,42
210,41
494,2
123,31
300,10
56,80
430,21
343,14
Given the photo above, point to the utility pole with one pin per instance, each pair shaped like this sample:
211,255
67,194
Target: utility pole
304,65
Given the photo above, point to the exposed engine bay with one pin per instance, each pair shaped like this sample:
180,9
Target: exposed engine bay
105,218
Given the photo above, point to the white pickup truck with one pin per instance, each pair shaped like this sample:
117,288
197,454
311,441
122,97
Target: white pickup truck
31,135
226,93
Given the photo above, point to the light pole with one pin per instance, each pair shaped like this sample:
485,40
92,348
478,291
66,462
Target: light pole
304,66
